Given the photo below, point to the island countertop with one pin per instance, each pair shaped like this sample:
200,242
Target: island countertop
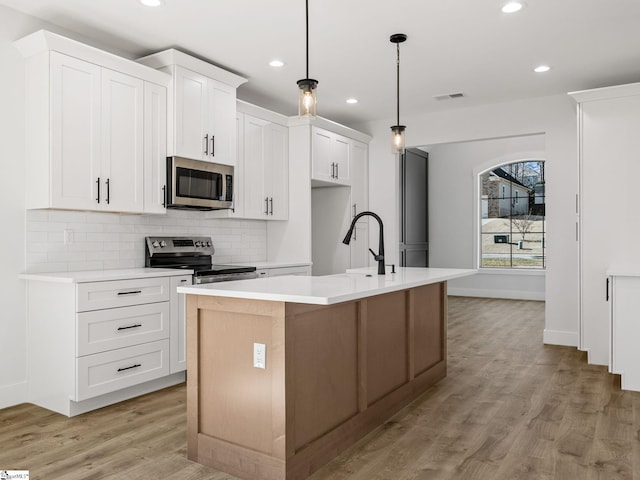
328,289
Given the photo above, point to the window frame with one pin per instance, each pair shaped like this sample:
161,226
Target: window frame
534,156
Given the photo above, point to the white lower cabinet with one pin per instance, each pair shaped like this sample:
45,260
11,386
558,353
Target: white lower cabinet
624,357
99,342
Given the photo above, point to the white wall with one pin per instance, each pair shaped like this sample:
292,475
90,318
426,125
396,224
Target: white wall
12,214
34,240
552,116
454,212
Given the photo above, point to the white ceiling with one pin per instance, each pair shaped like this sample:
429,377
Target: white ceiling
465,46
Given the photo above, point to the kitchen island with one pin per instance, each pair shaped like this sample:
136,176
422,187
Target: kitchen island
342,353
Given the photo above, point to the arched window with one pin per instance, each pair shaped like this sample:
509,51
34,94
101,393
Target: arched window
512,216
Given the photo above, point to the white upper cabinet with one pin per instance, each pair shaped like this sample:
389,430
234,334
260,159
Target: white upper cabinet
71,177
201,107
330,157
265,166
155,151
122,142
86,122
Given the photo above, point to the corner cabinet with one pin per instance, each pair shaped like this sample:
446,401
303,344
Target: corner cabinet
88,127
201,107
96,342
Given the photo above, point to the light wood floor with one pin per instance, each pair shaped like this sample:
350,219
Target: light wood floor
510,408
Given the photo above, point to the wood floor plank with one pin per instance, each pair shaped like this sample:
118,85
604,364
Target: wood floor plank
510,408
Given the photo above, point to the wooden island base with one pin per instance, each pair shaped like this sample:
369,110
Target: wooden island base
333,373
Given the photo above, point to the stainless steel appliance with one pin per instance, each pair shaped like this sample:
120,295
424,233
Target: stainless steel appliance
194,184
192,253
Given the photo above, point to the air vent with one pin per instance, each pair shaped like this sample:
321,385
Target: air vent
449,96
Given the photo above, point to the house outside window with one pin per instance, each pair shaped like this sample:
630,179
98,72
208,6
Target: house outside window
512,223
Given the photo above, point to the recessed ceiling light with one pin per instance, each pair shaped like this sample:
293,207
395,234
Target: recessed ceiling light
151,3
276,63
542,68
512,7
352,100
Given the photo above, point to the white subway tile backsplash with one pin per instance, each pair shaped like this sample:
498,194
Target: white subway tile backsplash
106,240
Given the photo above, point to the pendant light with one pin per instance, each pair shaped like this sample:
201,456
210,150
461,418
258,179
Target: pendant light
397,131
307,101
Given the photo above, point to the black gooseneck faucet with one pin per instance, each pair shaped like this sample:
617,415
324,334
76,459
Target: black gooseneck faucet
380,256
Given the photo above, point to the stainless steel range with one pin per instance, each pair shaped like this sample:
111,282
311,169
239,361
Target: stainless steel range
194,253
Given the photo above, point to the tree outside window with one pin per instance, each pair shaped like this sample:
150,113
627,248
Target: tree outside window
513,224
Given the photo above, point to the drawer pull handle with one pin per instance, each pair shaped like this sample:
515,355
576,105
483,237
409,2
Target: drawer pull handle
130,293
129,368
130,326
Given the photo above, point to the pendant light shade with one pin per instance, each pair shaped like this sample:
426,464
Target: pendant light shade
397,131
307,99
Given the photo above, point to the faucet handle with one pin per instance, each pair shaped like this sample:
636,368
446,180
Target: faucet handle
376,257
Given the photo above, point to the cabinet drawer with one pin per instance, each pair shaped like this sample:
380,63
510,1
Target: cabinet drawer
103,330
109,371
122,293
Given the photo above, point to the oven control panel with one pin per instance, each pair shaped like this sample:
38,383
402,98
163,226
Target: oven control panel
177,245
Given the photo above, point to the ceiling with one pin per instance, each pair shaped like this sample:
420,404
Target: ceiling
467,46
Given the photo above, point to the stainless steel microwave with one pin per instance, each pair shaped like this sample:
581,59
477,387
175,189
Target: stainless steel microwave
198,185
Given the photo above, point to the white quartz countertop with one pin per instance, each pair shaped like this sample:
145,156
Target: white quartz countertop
329,289
104,275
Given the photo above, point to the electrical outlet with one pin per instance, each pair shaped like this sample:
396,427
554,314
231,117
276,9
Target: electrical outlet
259,355
68,237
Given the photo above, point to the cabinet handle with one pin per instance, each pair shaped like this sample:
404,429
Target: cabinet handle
206,144
182,281
130,326
266,205
98,182
213,145
164,196
337,170
333,169
129,368
108,182
271,202
607,294
132,292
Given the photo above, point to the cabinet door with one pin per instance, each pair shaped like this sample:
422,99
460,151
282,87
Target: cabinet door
608,208
321,158
178,344
191,113
340,153
155,148
359,159
256,202
122,142
276,171
75,133
222,131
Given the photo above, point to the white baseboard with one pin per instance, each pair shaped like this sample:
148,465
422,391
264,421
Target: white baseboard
557,337
11,395
507,294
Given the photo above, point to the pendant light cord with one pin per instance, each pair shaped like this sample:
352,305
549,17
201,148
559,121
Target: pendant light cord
398,84
307,21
